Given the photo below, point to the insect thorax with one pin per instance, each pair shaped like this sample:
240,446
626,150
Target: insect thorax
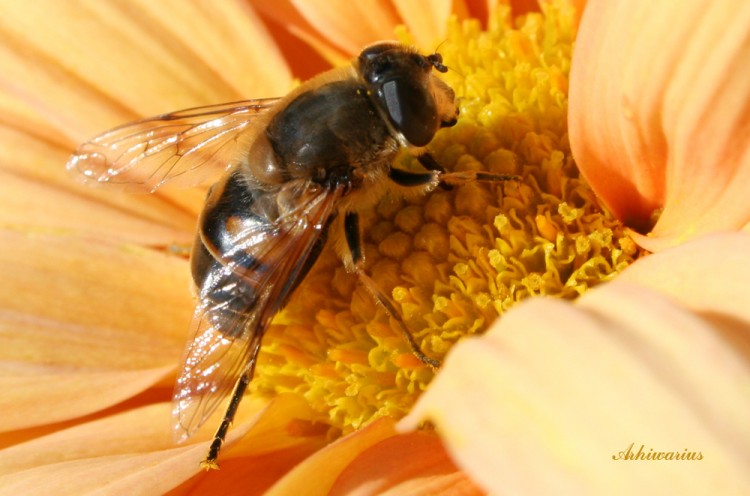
332,134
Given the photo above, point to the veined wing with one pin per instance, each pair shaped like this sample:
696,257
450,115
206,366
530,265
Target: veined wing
185,148
239,299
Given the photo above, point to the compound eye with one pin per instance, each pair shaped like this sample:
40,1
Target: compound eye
411,109
377,49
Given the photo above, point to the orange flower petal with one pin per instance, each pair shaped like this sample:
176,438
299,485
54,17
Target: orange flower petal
40,195
658,114
65,394
350,25
78,303
144,473
414,463
280,437
170,61
285,14
249,475
318,474
338,30
129,453
427,25
151,222
286,421
79,323
140,430
133,452
555,394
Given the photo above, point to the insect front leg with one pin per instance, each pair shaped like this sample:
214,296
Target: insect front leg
354,243
428,162
447,179
411,179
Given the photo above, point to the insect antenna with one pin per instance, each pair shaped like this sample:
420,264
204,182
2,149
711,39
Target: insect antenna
437,60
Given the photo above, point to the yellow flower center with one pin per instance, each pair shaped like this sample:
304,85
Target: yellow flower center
454,261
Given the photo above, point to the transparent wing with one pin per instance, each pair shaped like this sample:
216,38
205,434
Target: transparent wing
184,148
238,300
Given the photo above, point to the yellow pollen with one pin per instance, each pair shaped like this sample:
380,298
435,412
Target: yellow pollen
455,260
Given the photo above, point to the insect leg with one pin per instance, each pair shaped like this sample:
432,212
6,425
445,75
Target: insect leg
353,237
448,178
407,178
473,176
354,241
393,312
209,463
428,162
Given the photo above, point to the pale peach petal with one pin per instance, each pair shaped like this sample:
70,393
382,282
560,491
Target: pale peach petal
86,304
708,275
414,463
120,62
159,392
318,474
659,114
550,397
35,395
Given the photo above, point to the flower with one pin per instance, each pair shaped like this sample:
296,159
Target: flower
337,372
640,385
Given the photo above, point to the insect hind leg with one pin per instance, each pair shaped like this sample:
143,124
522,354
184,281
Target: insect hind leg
209,463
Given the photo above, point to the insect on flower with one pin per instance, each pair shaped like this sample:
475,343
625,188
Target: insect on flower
291,173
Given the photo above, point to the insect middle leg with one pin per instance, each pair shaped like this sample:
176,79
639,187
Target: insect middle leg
354,242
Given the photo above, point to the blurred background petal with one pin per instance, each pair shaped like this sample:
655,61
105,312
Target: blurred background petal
160,51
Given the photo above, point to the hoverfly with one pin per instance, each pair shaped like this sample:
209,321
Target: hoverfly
292,172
